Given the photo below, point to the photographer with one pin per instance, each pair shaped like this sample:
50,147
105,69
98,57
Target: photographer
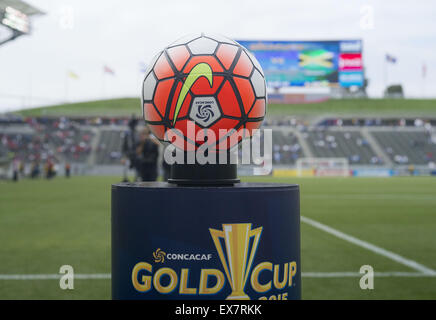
147,152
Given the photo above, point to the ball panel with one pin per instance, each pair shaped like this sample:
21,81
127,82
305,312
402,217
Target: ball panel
184,109
202,86
149,87
223,123
231,139
157,130
179,55
150,113
250,126
219,38
162,69
185,39
152,63
227,100
210,60
246,93
182,125
202,46
255,62
226,54
174,99
180,142
163,90
205,111
258,82
244,66
258,110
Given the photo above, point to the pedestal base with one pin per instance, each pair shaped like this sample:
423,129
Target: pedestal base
171,242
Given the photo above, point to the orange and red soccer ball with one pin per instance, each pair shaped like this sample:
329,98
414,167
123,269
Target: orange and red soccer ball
209,80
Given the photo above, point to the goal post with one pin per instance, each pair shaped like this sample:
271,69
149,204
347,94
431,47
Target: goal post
323,167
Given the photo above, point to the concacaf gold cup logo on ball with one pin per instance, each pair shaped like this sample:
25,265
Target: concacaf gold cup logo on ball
209,80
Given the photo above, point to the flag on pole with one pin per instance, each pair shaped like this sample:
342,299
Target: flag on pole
73,75
108,70
424,70
390,58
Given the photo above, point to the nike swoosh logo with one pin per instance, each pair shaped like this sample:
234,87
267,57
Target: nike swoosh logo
200,70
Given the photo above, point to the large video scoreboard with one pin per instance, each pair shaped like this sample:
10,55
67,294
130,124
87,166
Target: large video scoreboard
309,63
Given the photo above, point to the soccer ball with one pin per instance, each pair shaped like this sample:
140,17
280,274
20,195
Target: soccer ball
209,80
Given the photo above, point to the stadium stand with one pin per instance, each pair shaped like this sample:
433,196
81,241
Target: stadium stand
408,147
286,147
342,144
109,147
92,142
39,140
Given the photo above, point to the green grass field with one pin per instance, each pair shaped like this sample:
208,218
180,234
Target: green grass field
46,224
343,107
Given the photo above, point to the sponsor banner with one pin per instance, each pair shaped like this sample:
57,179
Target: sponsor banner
348,79
292,98
351,46
332,172
373,172
285,173
202,243
350,62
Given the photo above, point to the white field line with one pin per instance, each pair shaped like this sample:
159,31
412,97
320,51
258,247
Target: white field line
53,276
358,275
416,197
304,275
423,270
383,252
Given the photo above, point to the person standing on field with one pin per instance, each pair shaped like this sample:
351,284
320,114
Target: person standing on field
147,152
67,170
15,169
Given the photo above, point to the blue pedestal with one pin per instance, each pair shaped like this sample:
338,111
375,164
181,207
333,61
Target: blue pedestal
171,242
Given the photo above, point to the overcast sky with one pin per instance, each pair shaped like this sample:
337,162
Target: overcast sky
82,36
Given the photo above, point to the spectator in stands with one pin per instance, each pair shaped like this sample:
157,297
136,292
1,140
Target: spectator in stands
374,160
355,158
400,159
147,152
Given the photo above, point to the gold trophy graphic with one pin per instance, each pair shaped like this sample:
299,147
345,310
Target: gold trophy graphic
238,260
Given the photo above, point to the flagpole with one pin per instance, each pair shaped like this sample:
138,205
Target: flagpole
103,85
385,75
29,102
424,74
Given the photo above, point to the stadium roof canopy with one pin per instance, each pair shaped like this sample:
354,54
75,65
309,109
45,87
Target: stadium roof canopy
21,6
